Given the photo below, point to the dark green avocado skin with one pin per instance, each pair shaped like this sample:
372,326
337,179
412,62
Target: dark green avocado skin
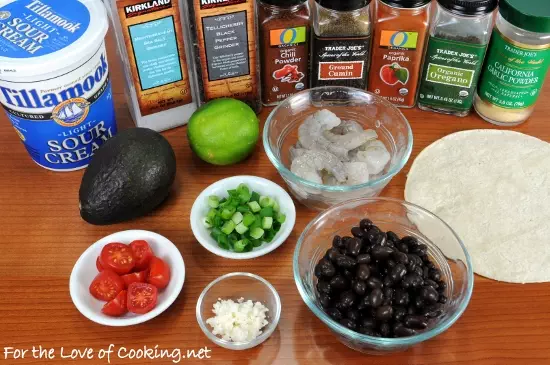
128,177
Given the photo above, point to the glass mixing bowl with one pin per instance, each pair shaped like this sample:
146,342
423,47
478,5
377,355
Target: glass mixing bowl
445,249
371,111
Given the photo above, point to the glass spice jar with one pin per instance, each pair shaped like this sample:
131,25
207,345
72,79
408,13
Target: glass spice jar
284,44
341,43
459,36
516,63
400,37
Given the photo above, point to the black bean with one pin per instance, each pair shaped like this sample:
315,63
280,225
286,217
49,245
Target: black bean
419,302
367,322
365,224
420,250
400,257
327,269
425,258
359,287
380,239
374,269
373,282
332,254
363,272
337,242
345,262
317,271
430,265
442,286
363,303
399,313
392,236
325,300
415,322
412,280
357,232
385,330
353,315
353,247
367,331
348,323
384,313
335,314
442,299
348,274
409,240
398,273
381,252
347,300
387,282
399,330
364,259
425,272
402,247
401,297
435,274
431,283
390,264
339,282
389,293
376,297
323,287
411,310
418,271
372,234
432,311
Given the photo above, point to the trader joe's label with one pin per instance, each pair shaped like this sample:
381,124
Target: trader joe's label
450,75
512,75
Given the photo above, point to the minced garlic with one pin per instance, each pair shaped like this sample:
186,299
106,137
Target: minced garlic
239,321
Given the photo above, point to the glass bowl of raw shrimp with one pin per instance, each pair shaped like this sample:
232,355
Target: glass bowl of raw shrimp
333,144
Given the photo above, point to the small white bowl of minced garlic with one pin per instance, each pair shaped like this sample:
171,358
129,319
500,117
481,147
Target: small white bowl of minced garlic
239,311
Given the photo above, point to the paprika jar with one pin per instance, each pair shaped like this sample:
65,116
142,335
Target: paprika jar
400,36
516,64
284,44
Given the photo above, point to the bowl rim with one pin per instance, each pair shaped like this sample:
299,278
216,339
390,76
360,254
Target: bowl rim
267,332
382,341
209,244
331,188
127,321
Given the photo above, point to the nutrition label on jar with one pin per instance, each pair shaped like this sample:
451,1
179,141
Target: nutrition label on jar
226,43
156,52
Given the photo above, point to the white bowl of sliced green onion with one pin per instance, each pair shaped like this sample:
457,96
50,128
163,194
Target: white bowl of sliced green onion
243,217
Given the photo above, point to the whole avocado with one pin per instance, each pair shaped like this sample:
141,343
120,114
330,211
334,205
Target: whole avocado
128,177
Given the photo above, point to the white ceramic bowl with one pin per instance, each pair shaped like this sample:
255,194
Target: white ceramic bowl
85,271
258,184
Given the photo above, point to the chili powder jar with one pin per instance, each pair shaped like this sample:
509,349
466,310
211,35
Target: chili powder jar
400,37
516,64
459,36
341,43
284,44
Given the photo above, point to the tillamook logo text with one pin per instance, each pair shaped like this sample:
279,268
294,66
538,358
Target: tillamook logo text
210,4
146,7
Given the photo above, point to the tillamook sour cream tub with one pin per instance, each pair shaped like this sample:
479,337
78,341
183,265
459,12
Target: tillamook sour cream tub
54,79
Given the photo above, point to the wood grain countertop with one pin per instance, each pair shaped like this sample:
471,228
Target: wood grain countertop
42,236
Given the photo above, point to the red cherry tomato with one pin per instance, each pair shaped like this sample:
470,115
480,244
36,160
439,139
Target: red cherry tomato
117,257
135,277
142,254
106,285
142,298
98,265
159,273
116,307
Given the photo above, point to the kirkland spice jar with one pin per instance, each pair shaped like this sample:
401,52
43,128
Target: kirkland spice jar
226,50
341,43
284,42
516,64
460,33
400,35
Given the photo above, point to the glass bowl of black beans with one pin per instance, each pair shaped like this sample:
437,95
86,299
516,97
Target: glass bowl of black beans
383,274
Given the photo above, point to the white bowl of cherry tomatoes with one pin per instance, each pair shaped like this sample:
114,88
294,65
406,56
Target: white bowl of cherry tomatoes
127,278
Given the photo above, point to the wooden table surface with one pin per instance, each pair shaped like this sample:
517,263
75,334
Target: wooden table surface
42,236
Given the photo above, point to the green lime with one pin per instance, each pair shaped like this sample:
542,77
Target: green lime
223,131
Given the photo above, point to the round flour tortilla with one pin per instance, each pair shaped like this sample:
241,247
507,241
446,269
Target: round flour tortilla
493,188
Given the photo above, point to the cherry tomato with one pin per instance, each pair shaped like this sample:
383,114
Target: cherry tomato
142,254
142,298
98,265
159,273
117,306
135,277
117,257
106,285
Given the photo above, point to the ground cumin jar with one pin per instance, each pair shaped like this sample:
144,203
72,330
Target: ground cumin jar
516,63
284,43
400,35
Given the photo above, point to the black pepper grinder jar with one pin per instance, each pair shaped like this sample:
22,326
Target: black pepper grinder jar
342,32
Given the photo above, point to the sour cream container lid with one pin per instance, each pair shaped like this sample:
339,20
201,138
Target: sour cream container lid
43,39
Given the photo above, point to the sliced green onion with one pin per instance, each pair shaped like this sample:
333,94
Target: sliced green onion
281,218
240,246
257,222
223,241
244,193
213,201
254,206
269,235
206,222
266,212
237,217
256,233
276,206
228,227
255,197
228,212
243,208
256,243
241,228
276,226
266,201
267,223
248,219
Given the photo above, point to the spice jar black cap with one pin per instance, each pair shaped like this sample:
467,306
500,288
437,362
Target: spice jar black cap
343,5
406,4
469,7
284,3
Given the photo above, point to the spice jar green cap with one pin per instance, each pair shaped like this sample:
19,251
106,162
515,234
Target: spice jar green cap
469,7
343,5
406,3
531,15
283,3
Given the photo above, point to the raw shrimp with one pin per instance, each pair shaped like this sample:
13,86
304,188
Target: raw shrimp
358,172
310,133
375,154
347,126
311,165
351,140
296,152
